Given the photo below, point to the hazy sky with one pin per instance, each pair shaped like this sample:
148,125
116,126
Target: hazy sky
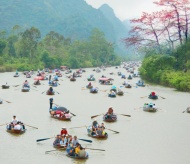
126,8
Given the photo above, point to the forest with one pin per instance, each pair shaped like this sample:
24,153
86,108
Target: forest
163,37
26,50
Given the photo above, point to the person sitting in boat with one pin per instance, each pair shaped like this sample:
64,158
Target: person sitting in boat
57,113
13,123
112,93
153,94
16,72
63,141
22,124
123,76
57,140
99,131
94,124
64,131
75,141
94,89
109,113
26,84
90,84
77,149
50,89
37,82
124,83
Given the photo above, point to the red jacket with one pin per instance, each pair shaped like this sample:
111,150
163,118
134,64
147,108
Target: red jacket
64,132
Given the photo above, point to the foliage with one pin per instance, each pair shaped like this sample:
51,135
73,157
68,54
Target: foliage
25,51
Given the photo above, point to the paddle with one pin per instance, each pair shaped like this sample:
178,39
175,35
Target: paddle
73,114
85,140
3,124
43,139
77,127
17,85
55,150
6,101
143,96
186,109
95,116
162,97
43,92
112,130
57,92
96,149
125,115
31,126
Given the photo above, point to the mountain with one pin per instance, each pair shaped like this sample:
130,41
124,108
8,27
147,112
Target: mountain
118,27
71,18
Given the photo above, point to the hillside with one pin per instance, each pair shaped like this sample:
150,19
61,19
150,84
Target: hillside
72,18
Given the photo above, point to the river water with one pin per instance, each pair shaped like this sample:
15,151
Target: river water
145,138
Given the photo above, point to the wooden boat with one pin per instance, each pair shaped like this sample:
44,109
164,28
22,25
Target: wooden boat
93,90
37,83
50,93
128,86
89,131
91,79
119,73
5,86
16,131
89,87
58,146
129,77
148,108
111,95
106,81
112,119
25,89
72,79
16,75
28,76
76,157
153,97
120,93
62,118
140,84
53,84
188,110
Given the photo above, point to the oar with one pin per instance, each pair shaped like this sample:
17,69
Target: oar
143,96
43,139
31,126
77,127
184,111
55,150
85,140
3,124
6,101
17,85
43,92
57,92
95,116
125,115
96,149
112,130
73,114
161,97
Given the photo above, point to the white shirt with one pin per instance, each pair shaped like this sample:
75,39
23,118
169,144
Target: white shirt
14,121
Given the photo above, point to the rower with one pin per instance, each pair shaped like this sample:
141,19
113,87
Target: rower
64,131
51,103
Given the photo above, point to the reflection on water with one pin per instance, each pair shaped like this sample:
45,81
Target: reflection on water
159,138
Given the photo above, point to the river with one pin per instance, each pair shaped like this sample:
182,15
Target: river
144,138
